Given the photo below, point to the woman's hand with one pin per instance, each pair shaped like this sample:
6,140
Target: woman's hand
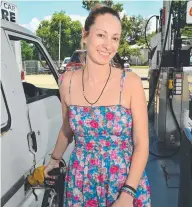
124,200
51,165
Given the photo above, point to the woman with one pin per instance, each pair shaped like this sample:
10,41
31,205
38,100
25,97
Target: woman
104,108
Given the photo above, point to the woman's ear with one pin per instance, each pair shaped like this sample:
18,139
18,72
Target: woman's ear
84,35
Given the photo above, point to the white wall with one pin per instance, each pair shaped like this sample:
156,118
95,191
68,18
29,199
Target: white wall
140,60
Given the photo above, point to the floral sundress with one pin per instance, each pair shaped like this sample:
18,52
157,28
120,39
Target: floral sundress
100,162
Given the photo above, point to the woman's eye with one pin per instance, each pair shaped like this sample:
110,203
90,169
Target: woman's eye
101,35
116,39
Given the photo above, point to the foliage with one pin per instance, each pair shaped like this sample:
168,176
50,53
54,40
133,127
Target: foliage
70,34
185,29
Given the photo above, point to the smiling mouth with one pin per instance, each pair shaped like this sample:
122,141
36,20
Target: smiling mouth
104,54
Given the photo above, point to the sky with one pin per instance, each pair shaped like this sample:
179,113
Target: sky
30,13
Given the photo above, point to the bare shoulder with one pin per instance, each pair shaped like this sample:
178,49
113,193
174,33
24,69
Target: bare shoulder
65,78
133,81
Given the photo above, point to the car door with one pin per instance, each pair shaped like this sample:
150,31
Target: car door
16,159
42,97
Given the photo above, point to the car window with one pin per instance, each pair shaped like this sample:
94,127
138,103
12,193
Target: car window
66,61
38,78
75,58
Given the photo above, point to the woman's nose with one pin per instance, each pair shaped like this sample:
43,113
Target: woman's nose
107,43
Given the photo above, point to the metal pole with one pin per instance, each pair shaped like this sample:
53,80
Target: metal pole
59,42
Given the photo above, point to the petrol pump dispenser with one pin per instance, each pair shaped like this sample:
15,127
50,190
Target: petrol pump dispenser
169,84
172,92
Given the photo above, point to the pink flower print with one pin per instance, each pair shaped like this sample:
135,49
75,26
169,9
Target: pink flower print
75,164
85,109
117,118
142,183
121,179
107,144
128,111
116,142
114,169
79,176
89,176
108,203
105,155
114,155
99,189
69,194
130,158
148,188
109,116
101,178
104,132
79,153
89,146
80,122
71,115
94,124
68,178
102,192
123,145
113,177
117,128
91,203
123,169
94,161
76,198
117,133
79,183
142,197
138,203
130,124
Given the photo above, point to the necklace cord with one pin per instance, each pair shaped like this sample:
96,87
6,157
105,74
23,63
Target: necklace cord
101,91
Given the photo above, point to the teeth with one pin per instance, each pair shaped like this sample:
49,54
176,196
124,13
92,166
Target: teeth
104,53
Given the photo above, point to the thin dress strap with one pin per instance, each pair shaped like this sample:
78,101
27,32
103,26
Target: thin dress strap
122,84
70,87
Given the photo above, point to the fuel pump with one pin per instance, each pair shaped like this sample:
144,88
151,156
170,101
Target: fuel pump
166,80
171,94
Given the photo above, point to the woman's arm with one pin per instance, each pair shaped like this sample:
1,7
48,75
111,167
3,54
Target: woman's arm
140,137
65,134
140,132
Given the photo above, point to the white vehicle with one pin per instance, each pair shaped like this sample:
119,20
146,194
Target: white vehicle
126,65
64,63
31,117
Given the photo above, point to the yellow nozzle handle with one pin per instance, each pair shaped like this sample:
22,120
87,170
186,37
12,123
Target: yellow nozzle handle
37,177
170,84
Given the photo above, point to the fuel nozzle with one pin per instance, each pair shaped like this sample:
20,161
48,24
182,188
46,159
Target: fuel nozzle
170,83
37,177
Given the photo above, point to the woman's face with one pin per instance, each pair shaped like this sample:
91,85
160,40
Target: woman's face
103,40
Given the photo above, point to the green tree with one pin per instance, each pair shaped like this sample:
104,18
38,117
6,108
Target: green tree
70,34
27,51
88,4
185,29
183,9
